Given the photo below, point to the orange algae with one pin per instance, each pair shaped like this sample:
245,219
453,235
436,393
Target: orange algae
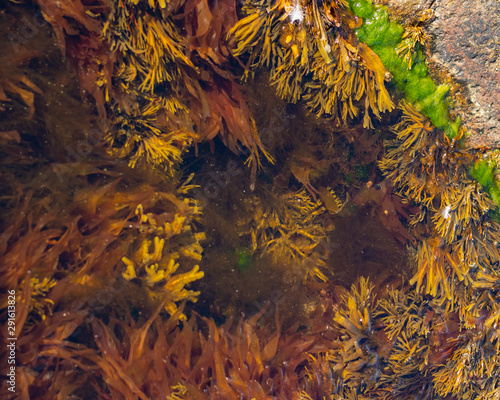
103,244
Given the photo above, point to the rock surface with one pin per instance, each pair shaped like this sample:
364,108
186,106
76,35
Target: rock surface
466,44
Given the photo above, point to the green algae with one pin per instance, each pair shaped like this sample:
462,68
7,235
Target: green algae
484,171
383,36
243,257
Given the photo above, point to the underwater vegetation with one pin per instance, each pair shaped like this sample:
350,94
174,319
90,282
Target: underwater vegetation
396,47
429,168
67,261
117,119
289,231
313,57
485,171
401,49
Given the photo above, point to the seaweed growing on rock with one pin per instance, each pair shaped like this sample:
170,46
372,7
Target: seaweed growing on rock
422,161
385,37
103,257
431,170
314,57
485,171
414,37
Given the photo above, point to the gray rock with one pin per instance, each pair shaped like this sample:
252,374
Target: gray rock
466,43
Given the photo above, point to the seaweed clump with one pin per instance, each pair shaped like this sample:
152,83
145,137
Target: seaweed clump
388,40
287,228
397,343
103,248
170,240
401,49
430,169
313,56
